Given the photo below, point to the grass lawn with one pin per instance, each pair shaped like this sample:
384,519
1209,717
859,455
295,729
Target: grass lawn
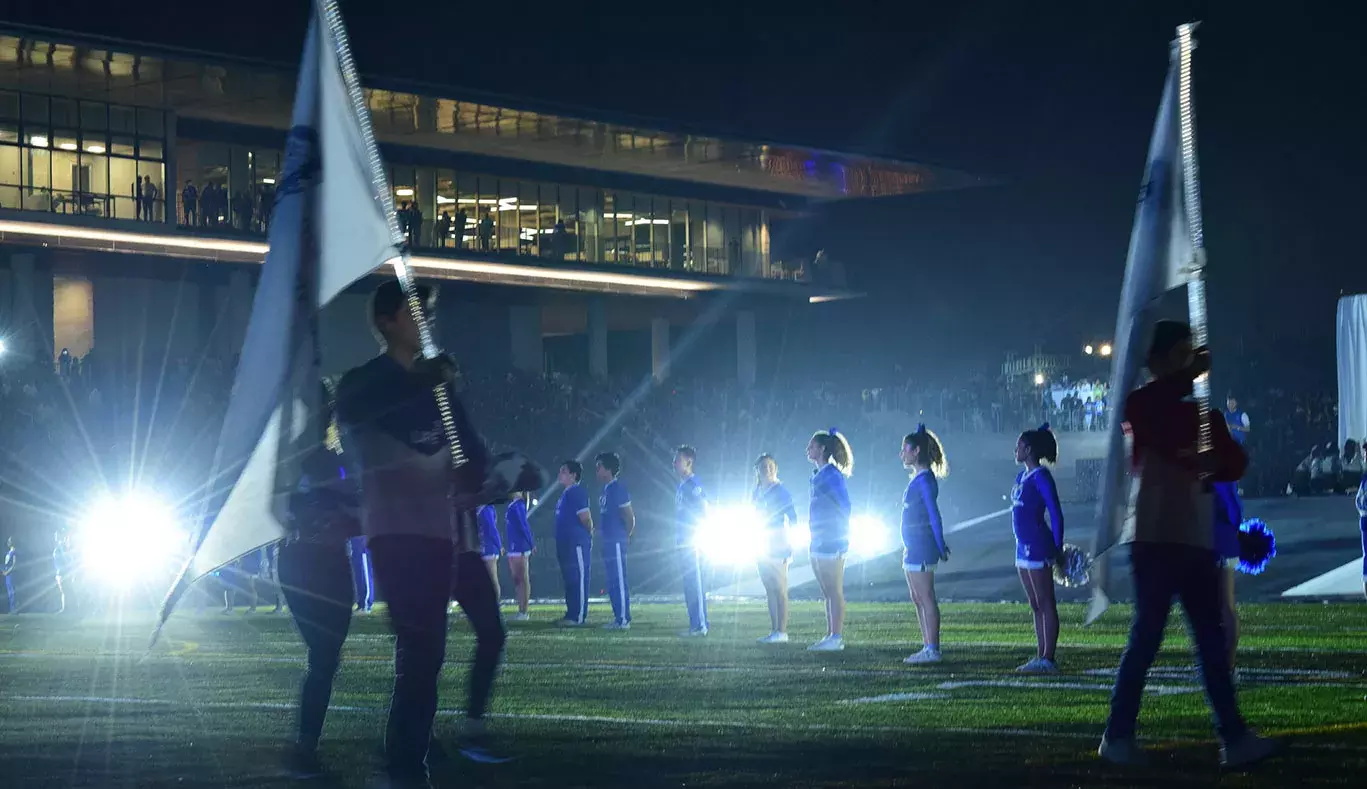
213,704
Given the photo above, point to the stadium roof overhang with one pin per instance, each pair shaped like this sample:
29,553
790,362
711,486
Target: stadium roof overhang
210,88
79,233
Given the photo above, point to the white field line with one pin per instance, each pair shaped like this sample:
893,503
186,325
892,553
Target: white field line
613,720
1157,690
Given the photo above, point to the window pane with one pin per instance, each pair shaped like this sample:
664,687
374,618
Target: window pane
591,224
121,120
35,111
64,113
150,149
122,173
121,146
553,237
96,176
9,105
678,228
9,132
151,123
36,173
9,176
93,116
153,171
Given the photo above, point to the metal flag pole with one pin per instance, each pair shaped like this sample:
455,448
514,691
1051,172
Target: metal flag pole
380,185
1191,196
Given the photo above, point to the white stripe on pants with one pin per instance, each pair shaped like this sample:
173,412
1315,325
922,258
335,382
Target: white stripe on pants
583,585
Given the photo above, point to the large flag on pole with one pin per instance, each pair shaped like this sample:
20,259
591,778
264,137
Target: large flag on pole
328,230
1160,259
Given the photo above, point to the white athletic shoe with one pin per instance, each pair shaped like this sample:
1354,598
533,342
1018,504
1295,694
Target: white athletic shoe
617,626
776,637
1125,753
520,617
698,633
1038,666
925,656
1247,751
831,643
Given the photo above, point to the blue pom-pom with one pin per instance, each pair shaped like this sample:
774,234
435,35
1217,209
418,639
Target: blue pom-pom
1073,568
1257,546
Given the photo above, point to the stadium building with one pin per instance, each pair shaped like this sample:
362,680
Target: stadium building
136,183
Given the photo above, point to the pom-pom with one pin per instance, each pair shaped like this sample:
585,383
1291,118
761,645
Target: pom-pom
1073,568
1257,546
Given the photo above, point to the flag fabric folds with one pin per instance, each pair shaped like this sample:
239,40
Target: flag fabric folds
328,229
1160,259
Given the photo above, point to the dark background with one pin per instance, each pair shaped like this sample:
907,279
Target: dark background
1052,101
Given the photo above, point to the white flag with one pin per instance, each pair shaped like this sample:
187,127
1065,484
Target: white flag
1159,260
328,229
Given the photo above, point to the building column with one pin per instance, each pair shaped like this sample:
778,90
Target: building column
745,348
598,338
659,348
524,324
171,192
31,311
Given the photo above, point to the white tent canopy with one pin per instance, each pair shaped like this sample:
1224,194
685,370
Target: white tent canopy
1352,353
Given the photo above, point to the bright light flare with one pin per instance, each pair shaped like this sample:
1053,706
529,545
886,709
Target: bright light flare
869,536
1106,349
126,538
1087,349
1039,379
731,536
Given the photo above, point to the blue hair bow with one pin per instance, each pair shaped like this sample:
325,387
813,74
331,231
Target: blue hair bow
834,432
920,428
1044,428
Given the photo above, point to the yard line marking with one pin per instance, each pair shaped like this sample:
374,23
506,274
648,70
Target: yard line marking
1157,690
887,698
1255,674
658,722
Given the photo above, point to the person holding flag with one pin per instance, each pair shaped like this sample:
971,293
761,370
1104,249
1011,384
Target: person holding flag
619,522
1172,552
417,531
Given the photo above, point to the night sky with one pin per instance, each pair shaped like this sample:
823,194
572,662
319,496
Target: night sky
1054,101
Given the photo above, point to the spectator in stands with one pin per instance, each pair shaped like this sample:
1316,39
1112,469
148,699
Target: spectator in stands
443,229
189,200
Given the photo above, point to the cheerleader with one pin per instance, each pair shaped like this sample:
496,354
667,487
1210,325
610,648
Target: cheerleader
1038,542
923,535
520,547
775,506
1229,513
829,520
490,544
1362,522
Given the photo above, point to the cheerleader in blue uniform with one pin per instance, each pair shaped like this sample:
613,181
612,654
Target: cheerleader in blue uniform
1229,513
1038,542
923,535
829,521
775,507
520,547
490,544
1362,522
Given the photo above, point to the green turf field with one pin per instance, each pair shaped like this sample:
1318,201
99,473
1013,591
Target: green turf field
213,705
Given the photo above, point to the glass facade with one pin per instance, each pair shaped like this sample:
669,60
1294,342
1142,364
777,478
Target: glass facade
81,157
108,160
446,209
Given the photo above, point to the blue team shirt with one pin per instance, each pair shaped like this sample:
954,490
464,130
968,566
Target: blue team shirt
775,506
1033,495
610,504
1236,419
1362,497
489,542
829,515
11,559
923,531
690,507
567,526
519,530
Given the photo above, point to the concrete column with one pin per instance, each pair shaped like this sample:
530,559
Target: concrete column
173,177
659,348
598,338
524,324
31,310
745,348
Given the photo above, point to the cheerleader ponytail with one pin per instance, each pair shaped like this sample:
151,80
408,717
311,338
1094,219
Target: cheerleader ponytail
930,452
836,449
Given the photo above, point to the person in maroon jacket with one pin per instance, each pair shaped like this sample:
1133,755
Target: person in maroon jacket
1173,545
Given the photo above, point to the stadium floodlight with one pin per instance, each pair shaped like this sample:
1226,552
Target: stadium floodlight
869,536
123,539
731,535
1039,379
1087,349
2,347
1106,349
